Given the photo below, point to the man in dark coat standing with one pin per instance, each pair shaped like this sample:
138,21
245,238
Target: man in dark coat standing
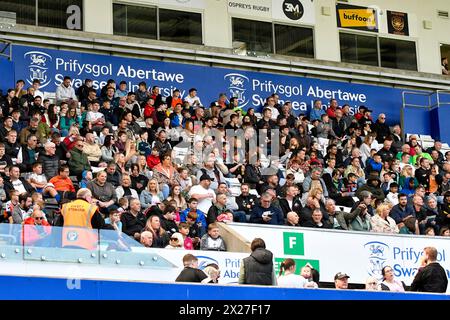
432,277
258,267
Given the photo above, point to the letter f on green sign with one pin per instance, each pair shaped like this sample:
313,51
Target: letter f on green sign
293,243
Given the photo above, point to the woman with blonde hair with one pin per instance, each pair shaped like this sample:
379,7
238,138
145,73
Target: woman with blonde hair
366,147
151,195
382,222
160,237
72,137
407,182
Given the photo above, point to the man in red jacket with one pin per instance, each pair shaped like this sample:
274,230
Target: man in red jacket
36,228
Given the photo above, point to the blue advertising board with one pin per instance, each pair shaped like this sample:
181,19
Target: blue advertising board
7,75
251,88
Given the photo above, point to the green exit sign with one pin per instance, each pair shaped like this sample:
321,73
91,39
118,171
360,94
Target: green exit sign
293,243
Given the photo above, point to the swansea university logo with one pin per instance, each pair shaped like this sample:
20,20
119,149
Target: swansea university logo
237,84
38,67
377,256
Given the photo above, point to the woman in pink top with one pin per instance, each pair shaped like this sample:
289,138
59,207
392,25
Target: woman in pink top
389,282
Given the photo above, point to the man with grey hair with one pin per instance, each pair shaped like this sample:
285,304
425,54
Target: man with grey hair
266,213
381,128
49,160
336,218
146,239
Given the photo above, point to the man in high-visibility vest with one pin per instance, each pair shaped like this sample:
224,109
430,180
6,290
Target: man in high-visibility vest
78,218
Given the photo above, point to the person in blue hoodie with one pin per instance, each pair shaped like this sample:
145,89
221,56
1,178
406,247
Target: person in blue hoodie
86,177
316,112
374,164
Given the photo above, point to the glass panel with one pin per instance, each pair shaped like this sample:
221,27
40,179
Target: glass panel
141,22
134,21
53,13
120,19
398,54
25,10
294,41
255,34
10,242
180,26
60,244
117,248
358,49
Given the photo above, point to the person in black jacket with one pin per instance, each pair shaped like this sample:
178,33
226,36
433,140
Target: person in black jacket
381,128
191,273
443,219
49,160
387,153
245,200
133,221
258,267
266,212
252,174
422,174
168,220
291,202
432,277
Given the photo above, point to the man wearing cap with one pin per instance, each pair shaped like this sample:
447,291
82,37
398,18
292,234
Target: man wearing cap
203,193
341,280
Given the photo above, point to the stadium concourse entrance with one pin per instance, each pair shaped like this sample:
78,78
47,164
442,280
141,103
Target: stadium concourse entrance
426,114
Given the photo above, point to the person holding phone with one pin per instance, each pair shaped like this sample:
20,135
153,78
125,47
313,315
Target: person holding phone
266,212
431,276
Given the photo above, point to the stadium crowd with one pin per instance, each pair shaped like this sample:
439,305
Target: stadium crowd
166,170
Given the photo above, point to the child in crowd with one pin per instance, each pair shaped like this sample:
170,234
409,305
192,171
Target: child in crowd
183,228
351,186
184,180
143,145
86,177
123,204
39,182
392,196
153,159
114,220
212,240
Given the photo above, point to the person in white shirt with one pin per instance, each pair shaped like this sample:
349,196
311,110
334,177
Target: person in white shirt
96,118
65,92
37,92
271,105
392,196
203,193
289,279
192,98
